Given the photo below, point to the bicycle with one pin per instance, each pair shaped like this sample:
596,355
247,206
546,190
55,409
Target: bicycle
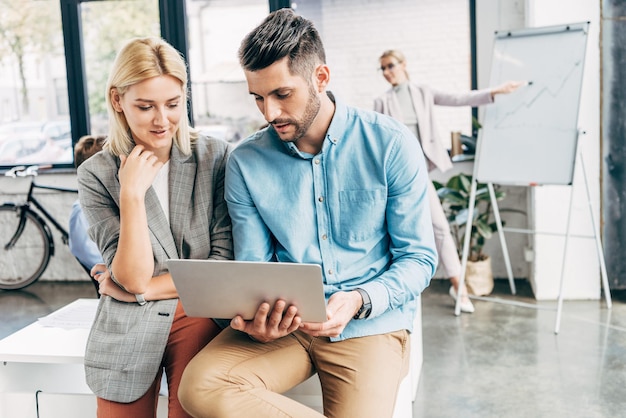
26,238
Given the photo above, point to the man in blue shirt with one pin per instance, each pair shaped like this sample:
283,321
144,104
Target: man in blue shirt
81,246
328,184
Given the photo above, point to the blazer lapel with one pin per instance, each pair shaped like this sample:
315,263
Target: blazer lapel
157,222
182,181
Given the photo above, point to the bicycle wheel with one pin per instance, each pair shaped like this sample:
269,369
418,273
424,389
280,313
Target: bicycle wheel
24,255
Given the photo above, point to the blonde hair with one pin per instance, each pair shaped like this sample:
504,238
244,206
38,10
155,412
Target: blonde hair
138,60
399,56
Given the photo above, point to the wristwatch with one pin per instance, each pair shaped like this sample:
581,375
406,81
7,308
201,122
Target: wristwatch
140,299
365,309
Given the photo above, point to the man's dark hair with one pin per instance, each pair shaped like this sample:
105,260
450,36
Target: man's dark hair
87,146
283,34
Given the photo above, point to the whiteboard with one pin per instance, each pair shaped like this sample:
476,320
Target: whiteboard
530,136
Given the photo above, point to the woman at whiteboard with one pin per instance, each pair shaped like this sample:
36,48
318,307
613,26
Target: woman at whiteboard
413,105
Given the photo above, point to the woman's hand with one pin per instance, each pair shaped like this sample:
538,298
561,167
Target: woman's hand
508,87
106,285
138,170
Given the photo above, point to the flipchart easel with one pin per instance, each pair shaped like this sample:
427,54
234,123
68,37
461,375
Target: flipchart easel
505,252
530,137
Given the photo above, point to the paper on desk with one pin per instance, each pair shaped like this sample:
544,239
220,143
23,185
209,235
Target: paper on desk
78,314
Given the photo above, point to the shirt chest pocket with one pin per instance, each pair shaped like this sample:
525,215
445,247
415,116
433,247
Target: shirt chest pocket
361,214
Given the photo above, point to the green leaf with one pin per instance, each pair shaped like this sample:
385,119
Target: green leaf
483,228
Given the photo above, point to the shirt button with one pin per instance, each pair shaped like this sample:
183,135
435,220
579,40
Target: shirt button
330,271
317,161
324,237
321,198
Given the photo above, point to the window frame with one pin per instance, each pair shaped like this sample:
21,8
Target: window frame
173,23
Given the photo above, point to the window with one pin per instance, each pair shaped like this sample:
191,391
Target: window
34,118
106,25
434,37
34,99
35,89
222,106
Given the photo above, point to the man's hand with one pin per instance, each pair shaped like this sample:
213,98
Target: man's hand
341,308
269,325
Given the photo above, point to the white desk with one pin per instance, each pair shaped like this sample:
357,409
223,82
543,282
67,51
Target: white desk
46,359
43,365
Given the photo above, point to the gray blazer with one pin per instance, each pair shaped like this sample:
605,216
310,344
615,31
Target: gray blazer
424,98
127,341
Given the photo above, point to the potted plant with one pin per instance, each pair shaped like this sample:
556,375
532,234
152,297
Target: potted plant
455,199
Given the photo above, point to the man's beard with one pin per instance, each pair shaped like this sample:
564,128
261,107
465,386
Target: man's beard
310,113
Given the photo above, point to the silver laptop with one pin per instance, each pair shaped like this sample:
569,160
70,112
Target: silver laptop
226,288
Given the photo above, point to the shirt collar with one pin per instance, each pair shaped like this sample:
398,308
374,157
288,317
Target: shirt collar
337,127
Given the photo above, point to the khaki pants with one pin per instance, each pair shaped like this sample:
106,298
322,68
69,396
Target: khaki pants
234,376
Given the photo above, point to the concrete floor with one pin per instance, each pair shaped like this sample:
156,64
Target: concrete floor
502,361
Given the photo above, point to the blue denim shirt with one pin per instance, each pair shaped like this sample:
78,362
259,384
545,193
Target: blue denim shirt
359,208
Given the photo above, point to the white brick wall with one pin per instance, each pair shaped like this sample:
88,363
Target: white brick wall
433,35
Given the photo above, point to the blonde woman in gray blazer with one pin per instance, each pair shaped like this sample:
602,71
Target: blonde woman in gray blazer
413,105
155,192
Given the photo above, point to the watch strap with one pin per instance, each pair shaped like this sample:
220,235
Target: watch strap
366,308
141,300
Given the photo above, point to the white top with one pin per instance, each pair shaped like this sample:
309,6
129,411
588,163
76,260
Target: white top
161,187
409,116
407,108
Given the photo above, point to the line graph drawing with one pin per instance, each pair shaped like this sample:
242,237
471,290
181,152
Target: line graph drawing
549,89
530,136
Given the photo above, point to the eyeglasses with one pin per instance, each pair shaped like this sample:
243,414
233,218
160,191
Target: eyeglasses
387,67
